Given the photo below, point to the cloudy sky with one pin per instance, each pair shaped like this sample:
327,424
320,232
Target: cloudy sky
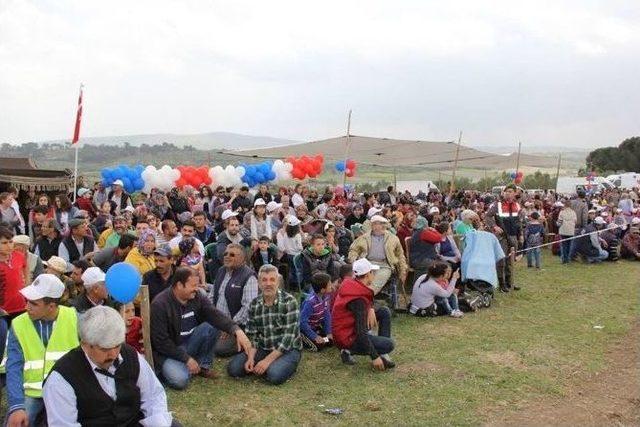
544,72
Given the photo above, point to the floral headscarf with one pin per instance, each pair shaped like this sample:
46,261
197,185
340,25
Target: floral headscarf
144,236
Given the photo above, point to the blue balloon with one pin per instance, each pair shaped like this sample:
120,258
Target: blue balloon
259,177
340,166
105,173
123,282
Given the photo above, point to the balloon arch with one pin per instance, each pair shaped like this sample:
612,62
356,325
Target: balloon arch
141,178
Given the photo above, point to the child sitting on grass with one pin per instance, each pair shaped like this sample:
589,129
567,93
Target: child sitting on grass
435,293
264,254
315,314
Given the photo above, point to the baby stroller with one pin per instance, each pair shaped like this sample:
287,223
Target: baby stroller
478,268
475,294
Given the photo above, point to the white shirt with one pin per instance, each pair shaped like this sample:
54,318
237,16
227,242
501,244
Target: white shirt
297,200
60,398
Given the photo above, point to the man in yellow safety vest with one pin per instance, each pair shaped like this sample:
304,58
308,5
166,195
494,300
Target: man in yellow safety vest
37,339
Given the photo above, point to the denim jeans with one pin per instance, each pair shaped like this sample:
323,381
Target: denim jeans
533,257
447,305
602,256
565,249
277,373
382,342
200,347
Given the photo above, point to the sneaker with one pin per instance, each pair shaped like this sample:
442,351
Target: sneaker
347,358
457,314
504,289
386,360
308,343
207,373
516,288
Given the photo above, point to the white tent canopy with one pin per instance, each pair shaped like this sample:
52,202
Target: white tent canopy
394,153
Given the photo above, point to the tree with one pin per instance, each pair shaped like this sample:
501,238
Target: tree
624,157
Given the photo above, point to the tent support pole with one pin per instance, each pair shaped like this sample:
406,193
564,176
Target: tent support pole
346,150
452,187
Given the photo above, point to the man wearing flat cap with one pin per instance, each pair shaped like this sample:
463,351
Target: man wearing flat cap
95,291
77,244
37,339
104,382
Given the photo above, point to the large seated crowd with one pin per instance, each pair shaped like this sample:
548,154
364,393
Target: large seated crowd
256,278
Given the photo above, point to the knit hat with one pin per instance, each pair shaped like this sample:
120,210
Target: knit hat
421,223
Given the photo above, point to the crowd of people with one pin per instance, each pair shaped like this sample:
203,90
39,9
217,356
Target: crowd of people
258,278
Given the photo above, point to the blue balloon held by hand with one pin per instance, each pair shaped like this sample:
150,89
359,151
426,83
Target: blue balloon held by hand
123,282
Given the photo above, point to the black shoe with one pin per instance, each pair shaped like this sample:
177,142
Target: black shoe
308,343
388,363
504,289
347,358
516,288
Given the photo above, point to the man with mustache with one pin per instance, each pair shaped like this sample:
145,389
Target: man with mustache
184,329
104,381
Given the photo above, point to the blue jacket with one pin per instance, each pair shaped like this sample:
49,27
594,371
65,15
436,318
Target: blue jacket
482,251
15,364
306,310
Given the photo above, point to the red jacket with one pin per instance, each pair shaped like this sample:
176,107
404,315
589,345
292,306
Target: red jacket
343,321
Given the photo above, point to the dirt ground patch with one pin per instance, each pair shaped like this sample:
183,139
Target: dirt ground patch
508,359
610,397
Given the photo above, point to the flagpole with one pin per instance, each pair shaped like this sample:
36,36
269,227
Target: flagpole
75,175
74,141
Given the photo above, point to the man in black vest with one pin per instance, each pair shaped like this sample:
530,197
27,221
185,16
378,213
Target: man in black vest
77,244
119,197
104,381
234,287
49,241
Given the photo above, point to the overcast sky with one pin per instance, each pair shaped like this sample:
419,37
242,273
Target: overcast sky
545,72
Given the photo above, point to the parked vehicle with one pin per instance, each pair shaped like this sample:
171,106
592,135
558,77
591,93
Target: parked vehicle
627,180
570,185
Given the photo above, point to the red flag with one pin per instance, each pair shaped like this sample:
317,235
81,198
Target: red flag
76,132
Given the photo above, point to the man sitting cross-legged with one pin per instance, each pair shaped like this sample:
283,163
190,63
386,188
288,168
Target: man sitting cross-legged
274,331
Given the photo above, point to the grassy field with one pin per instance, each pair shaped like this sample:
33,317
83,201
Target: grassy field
457,372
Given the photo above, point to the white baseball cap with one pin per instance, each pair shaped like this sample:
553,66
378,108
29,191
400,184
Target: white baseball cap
373,211
259,202
83,191
118,182
379,218
328,224
228,213
57,263
272,206
363,266
635,220
93,275
434,209
44,286
293,220
599,220
22,239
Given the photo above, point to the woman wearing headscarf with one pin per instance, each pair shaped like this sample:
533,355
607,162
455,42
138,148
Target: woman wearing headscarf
142,257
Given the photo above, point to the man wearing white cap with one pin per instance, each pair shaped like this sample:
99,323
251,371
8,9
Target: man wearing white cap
119,196
383,248
37,339
95,293
21,243
104,381
353,315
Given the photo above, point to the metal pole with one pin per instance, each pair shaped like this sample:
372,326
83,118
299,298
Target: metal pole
346,151
452,187
558,169
75,174
518,157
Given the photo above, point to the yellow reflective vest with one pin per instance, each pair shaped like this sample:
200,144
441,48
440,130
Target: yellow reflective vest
38,359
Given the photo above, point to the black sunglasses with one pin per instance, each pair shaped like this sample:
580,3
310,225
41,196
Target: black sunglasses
229,254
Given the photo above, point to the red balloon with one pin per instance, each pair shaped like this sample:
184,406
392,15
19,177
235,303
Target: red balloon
350,172
518,180
297,173
519,174
181,182
350,164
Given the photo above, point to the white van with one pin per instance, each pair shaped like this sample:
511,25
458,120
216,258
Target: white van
627,180
570,185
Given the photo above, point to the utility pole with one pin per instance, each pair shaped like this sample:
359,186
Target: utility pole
518,157
558,168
